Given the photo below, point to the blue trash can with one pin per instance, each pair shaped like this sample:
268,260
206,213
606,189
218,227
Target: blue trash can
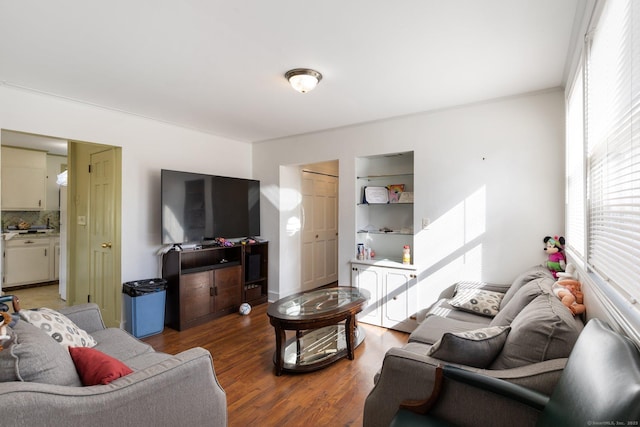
144,302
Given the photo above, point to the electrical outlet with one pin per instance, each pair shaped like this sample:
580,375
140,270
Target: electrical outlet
425,223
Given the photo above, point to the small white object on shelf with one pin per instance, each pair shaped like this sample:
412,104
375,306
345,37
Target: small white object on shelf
376,195
406,197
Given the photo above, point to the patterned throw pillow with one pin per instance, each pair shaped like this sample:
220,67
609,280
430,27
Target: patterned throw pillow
477,348
478,301
58,326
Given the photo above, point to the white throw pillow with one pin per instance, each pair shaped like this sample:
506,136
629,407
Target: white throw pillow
478,301
58,326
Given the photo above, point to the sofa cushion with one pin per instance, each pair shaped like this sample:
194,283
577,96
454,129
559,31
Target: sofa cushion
58,326
477,348
35,357
120,344
143,361
478,301
442,308
536,272
521,299
433,327
545,329
95,367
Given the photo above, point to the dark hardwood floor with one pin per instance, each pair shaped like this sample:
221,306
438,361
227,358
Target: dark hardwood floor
242,349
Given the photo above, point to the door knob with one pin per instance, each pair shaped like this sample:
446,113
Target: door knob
106,245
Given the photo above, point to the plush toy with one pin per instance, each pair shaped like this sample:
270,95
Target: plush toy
570,293
569,272
5,319
556,261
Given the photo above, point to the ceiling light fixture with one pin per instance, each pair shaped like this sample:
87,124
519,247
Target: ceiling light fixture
303,79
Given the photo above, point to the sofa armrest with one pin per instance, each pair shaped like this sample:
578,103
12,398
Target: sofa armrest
85,316
182,390
499,386
409,375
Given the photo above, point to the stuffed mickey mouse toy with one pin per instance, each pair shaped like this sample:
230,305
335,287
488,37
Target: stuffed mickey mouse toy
556,262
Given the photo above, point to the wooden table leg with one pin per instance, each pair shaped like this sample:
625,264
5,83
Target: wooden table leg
350,336
281,337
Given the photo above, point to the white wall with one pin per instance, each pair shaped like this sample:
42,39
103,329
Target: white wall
488,176
147,147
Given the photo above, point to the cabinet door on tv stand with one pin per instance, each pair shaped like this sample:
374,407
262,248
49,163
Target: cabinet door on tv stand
228,284
196,299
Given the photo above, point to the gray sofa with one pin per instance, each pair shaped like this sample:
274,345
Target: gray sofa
525,337
40,386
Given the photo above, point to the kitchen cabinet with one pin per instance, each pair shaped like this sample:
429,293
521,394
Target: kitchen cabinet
393,295
24,179
26,261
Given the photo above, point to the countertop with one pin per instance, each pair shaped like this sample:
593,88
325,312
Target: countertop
30,234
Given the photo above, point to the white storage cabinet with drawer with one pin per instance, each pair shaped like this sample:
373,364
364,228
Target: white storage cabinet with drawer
27,261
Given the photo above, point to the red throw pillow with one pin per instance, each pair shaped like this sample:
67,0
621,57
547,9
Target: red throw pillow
94,367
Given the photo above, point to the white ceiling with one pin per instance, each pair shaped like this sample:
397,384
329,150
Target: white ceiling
218,66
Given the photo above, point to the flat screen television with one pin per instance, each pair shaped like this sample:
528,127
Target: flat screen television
199,207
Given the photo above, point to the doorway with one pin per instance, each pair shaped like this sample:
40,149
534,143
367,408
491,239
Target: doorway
32,236
319,243
81,281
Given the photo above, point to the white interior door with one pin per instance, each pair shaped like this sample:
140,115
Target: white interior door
319,229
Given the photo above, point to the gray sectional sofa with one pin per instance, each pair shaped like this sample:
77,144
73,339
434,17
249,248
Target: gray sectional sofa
39,384
519,332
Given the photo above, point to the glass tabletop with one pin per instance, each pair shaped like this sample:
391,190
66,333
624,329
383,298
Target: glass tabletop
319,301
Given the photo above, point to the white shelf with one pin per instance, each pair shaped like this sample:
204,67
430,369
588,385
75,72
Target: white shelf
398,233
385,204
391,175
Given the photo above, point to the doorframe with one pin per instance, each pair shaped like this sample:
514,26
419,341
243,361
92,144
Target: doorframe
328,168
78,251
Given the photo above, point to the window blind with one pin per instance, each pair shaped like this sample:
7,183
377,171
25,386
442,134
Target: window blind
613,146
575,191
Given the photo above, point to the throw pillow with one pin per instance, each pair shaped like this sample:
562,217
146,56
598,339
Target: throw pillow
535,272
58,326
541,331
95,367
520,300
478,301
34,357
475,284
477,348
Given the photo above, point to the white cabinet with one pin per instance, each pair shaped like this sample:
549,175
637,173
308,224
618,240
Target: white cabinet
26,261
385,224
24,179
393,295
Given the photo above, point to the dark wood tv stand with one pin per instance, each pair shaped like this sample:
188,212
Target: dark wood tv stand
207,283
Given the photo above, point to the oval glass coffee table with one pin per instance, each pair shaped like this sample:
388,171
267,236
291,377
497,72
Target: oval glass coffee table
325,324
